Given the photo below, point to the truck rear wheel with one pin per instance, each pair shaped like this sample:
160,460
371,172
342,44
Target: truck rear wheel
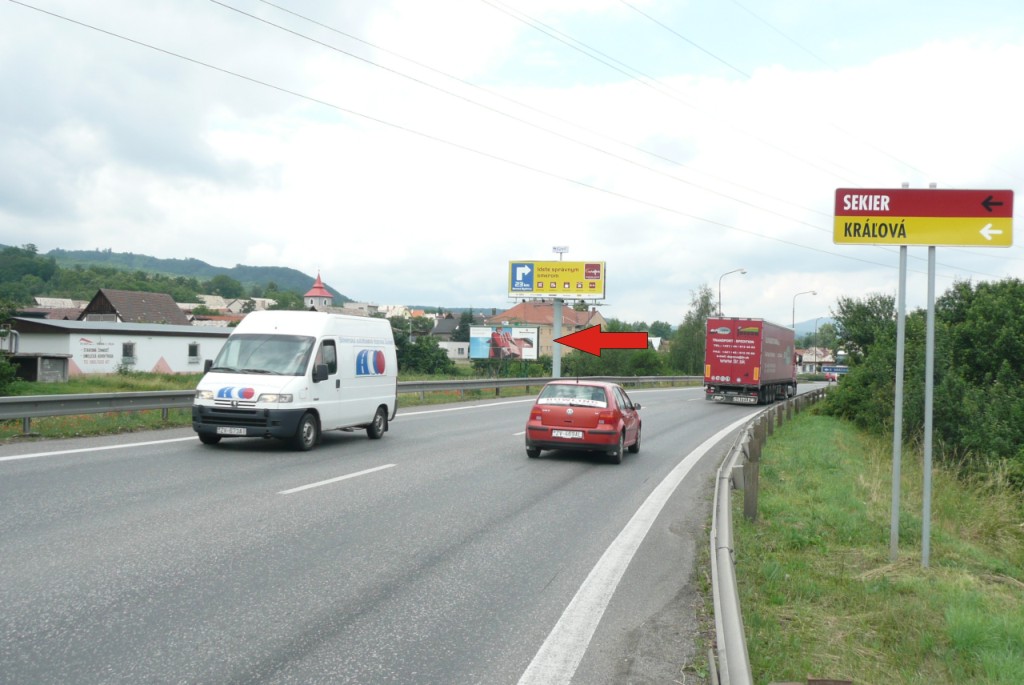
379,424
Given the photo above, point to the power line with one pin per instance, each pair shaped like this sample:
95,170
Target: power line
437,139
684,38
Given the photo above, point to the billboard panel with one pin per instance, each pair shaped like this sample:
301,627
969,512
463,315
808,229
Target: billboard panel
571,280
503,342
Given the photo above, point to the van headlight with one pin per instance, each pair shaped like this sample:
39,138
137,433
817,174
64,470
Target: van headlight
275,398
204,394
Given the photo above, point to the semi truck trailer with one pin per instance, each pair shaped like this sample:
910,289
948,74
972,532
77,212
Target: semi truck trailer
748,361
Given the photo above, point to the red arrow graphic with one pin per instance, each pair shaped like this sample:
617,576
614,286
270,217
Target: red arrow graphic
592,340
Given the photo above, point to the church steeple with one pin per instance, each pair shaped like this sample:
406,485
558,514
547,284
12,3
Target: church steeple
318,296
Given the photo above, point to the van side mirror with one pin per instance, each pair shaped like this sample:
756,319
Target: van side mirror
319,373
207,365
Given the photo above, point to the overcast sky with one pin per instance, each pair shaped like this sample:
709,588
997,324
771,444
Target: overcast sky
409,150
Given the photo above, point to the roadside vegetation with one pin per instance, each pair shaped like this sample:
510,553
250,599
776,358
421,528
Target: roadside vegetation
819,594
979,374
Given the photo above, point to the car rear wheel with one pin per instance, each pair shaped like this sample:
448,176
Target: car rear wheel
307,435
635,447
615,455
380,424
532,452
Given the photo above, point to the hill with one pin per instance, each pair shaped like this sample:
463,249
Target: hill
249,276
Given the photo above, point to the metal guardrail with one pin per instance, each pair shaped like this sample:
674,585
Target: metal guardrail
733,658
34,406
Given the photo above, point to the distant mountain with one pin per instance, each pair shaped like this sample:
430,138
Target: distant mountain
805,327
248,276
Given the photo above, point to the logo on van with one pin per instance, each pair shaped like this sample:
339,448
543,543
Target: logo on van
370,363
236,393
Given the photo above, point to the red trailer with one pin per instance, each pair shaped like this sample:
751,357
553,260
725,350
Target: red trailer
749,361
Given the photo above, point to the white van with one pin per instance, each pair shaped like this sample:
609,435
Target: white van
294,374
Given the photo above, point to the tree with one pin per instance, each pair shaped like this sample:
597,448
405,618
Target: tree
687,352
286,300
8,372
423,356
225,286
661,329
824,337
860,323
461,333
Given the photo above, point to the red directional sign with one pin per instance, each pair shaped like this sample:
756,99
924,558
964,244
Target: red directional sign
915,216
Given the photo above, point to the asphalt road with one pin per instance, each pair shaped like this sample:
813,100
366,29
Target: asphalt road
439,554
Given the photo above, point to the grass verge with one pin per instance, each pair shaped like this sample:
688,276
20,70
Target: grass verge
820,596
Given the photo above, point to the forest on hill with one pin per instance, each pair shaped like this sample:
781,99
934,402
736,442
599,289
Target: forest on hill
78,274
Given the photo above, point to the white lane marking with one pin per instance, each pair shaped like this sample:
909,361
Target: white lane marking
475,406
335,480
558,658
523,401
93,449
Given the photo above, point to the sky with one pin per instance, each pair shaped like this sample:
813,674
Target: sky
409,151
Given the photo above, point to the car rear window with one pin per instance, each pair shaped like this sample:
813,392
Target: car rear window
581,395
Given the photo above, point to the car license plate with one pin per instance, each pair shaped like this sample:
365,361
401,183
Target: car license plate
230,430
567,434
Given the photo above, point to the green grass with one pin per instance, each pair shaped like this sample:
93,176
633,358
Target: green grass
820,596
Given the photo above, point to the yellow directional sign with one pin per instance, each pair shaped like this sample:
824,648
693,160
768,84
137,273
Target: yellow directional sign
571,280
904,216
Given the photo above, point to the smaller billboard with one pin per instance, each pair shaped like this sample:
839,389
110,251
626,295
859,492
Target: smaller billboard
503,342
571,280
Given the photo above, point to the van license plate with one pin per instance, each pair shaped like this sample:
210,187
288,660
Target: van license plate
567,434
230,430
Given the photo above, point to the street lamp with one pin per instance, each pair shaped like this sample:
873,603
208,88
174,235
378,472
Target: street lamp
741,271
806,292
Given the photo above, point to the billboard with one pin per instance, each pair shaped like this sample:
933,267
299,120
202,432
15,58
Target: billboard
503,342
571,280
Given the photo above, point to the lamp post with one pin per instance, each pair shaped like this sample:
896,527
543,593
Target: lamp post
806,292
817,361
741,271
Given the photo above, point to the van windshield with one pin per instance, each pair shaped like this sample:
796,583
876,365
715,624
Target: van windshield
284,355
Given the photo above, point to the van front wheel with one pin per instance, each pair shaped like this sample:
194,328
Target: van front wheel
375,431
308,433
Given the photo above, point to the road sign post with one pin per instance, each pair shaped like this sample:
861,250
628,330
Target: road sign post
931,217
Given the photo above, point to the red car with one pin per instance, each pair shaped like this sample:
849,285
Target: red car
583,415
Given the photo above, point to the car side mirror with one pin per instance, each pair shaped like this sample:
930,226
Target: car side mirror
320,373
636,405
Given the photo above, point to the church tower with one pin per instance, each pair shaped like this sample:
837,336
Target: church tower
318,296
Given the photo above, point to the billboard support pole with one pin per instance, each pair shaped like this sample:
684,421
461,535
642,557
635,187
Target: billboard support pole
556,348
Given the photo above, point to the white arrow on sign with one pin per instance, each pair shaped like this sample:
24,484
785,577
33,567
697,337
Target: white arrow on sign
988,231
524,270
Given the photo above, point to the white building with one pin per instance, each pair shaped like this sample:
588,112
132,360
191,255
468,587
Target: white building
99,347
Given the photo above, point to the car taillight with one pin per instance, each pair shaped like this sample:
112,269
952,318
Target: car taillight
535,415
606,417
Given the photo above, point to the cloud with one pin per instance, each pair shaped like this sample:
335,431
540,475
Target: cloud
380,164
